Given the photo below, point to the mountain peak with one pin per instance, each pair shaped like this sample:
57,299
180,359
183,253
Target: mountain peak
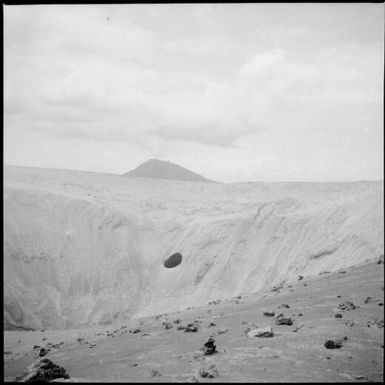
161,169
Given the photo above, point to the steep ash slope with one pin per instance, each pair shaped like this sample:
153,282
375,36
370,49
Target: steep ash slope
83,248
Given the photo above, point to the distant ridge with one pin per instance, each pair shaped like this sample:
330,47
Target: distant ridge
160,169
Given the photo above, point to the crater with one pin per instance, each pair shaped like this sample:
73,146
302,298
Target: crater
173,260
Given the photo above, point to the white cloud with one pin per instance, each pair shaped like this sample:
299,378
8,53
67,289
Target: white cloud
118,74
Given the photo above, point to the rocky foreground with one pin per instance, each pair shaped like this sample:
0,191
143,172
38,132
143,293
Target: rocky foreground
327,328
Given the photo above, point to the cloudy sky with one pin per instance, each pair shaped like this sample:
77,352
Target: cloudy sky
236,92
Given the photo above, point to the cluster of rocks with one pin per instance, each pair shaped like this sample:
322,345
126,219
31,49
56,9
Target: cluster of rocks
347,305
375,321
43,370
210,372
154,373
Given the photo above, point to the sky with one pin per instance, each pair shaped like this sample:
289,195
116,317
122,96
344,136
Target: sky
235,92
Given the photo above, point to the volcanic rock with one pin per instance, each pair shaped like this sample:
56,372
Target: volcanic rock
43,370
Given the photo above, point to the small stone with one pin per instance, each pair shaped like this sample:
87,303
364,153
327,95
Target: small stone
300,315
177,321
223,330
269,313
284,321
168,325
212,324
261,332
300,277
42,352
368,299
330,344
181,327
338,315
209,347
284,305
191,328
136,331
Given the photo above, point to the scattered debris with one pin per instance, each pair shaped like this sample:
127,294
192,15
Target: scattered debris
212,324
154,373
36,346
7,352
177,321
167,325
368,299
341,272
43,370
92,345
181,327
375,321
81,341
280,316
349,323
261,332
284,305
269,313
324,272
211,372
277,288
333,344
284,321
